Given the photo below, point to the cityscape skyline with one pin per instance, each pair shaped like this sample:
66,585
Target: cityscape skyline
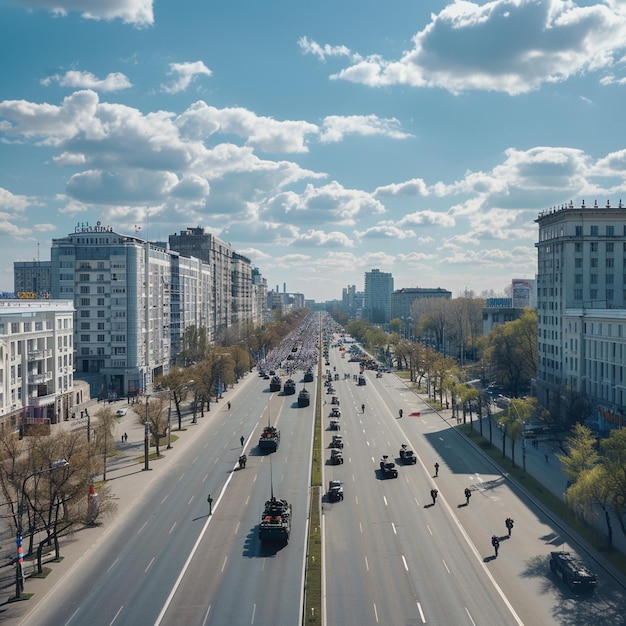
318,141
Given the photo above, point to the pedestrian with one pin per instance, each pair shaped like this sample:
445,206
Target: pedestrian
509,524
436,469
468,495
495,542
228,405
210,501
433,495
125,437
242,439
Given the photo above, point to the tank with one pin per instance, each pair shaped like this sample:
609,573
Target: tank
275,383
304,398
275,521
308,376
269,439
290,387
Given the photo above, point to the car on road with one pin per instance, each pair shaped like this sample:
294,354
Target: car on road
335,491
121,412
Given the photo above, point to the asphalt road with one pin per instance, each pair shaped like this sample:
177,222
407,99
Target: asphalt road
391,557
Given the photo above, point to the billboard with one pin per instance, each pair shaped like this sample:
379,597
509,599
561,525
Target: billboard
523,293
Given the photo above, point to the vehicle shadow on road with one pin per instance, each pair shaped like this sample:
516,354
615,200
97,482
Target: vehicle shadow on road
255,548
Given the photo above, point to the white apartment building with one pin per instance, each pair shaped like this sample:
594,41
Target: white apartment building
36,361
581,308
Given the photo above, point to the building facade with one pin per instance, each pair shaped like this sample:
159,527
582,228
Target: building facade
402,301
581,298
36,361
378,290
32,277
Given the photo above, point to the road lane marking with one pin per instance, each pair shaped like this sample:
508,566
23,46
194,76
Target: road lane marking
149,564
224,564
237,527
205,477
206,615
142,526
113,565
429,530
191,500
116,615
164,499
470,617
172,528
419,608
367,565
385,501
375,612
445,565
253,613
395,532
361,527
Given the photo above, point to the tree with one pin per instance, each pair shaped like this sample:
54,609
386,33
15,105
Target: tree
103,443
613,451
176,382
582,454
156,415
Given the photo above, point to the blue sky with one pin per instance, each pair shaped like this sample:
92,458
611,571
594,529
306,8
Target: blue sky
321,139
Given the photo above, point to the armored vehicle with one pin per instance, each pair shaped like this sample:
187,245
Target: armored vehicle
407,456
269,439
388,468
335,400
334,424
275,383
573,572
336,457
335,412
275,521
308,376
289,387
361,380
335,491
304,398
337,441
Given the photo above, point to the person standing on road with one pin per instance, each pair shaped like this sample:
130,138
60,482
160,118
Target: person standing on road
495,542
436,470
242,440
509,524
228,405
362,408
468,495
433,495
210,502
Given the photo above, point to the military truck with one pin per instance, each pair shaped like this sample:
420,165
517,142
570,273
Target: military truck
336,457
335,491
573,572
308,376
407,456
388,468
361,380
269,439
334,412
335,424
304,398
337,441
275,383
289,388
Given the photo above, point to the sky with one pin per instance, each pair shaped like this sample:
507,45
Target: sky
320,139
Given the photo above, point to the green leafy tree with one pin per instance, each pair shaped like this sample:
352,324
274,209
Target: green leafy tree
582,454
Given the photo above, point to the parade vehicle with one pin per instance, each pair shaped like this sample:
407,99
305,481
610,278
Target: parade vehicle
407,455
269,439
388,468
289,388
275,523
335,400
573,572
275,383
337,441
304,398
361,380
336,457
334,424
335,491
308,376
335,412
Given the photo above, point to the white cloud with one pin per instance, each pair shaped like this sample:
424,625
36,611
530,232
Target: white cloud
319,238
409,188
336,127
536,43
385,231
184,74
136,12
427,218
12,202
322,52
116,81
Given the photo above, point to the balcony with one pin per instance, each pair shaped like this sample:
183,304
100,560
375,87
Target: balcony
35,355
40,401
39,379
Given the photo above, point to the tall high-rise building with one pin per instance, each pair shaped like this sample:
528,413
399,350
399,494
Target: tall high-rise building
32,277
581,309
378,289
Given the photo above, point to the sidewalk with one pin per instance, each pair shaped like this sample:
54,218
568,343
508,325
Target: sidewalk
126,479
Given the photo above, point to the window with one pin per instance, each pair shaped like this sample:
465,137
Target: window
594,246
579,231
83,278
84,338
84,289
578,279
593,279
578,263
100,325
609,246
578,294
87,325
100,301
609,279
593,231
84,302
609,294
593,262
85,313
101,337
100,289
100,313
609,262
610,231
38,326
578,247
27,327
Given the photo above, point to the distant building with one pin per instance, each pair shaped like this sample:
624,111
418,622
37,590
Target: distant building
348,300
378,289
32,277
36,361
402,301
503,310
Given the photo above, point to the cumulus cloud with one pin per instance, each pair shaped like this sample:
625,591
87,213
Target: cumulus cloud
336,127
319,238
427,218
13,202
115,81
385,231
136,12
536,43
409,188
323,52
183,74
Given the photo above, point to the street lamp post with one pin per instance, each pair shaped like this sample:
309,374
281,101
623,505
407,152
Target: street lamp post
19,572
146,439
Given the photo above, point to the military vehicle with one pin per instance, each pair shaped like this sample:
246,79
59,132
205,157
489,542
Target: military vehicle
407,455
337,442
388,468
289,387
275,523
308,376
335,400
335,412
573,572
335,424
269,439
304,398
336,457
335,491
361,380
275,383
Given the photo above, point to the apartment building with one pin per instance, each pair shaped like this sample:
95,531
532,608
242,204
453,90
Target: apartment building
581,309
378,289
32,277
36,361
